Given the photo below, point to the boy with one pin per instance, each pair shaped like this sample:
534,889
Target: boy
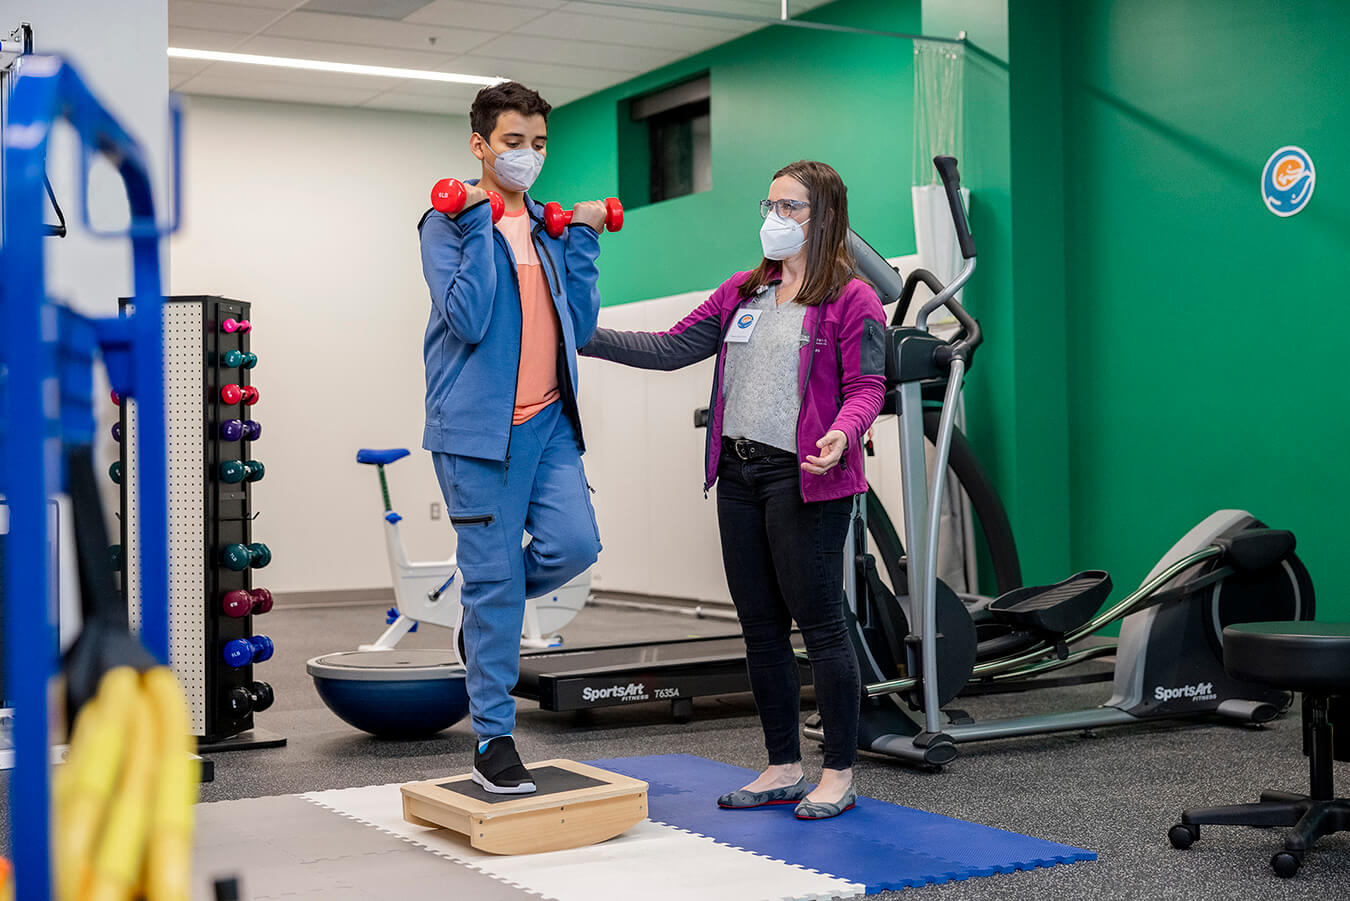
509,307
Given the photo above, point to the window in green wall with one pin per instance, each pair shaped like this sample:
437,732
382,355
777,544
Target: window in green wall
665,147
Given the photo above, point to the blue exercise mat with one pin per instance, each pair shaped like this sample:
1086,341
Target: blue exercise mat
883,846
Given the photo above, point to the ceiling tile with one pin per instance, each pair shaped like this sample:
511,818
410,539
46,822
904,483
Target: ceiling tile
376,9
413,103
211,85
344,53
180,70
220,16
453,95
248,74
535,73
260,4
197,39
378,33
469,14
630,32
736,26
597,56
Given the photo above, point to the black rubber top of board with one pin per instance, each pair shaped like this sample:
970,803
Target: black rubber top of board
549,780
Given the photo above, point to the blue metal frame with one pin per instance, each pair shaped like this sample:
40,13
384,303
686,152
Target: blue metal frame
47,352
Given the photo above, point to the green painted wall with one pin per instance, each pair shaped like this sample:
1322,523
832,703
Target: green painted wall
778,95
1205,333
1015,396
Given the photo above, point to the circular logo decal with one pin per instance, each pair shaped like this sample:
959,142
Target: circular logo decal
1287,181
744,321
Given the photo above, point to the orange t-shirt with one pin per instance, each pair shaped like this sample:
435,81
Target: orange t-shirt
537,377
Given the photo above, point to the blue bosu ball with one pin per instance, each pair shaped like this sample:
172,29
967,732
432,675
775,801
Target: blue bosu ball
411,693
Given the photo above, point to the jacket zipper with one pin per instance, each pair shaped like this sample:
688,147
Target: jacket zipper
520,337
810,361
574,410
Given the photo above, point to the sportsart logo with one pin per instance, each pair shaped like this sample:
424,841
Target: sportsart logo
633,691
1201,691
1287,181
744,321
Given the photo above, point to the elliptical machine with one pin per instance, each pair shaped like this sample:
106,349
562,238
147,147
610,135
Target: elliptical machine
919,650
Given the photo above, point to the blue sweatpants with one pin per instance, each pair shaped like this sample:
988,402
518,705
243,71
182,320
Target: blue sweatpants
492,505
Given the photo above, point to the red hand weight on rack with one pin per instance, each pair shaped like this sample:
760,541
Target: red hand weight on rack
556,218
250,394
237,603
231,394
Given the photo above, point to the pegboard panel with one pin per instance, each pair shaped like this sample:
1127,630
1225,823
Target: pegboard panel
184,389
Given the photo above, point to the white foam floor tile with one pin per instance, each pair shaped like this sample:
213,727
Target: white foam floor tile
651,860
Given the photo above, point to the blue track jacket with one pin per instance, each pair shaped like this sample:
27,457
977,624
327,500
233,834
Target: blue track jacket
472,344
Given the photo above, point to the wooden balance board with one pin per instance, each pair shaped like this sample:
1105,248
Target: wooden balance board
575,805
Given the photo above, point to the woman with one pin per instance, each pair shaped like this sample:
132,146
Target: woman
799,379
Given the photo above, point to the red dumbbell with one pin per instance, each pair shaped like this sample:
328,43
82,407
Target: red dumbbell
448,196
116,398
231,394
262,601
556,219
250,394
237,603
233,325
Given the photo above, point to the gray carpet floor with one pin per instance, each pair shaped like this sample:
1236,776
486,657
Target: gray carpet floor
1115,792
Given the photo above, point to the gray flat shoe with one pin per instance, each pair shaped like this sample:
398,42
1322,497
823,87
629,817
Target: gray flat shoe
742,799
821,810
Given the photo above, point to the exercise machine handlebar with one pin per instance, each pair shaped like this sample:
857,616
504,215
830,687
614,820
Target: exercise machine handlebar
951,181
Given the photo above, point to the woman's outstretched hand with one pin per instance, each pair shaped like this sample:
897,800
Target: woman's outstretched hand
832,448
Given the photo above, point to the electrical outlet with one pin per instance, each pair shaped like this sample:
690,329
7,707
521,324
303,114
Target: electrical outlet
435,509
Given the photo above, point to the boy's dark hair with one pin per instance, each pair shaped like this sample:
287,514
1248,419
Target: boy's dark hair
496,99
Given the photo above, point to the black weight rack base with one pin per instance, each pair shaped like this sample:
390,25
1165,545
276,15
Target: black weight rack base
249,740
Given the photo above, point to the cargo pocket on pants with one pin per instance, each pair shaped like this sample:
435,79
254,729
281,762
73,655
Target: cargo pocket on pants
482,554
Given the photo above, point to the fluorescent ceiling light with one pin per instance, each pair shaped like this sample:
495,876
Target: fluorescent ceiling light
318,65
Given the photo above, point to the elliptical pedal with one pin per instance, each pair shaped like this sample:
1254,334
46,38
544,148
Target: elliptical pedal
1054,609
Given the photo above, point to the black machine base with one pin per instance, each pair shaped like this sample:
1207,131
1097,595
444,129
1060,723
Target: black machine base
249,740
618,675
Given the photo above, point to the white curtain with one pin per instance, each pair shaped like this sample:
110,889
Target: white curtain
938,130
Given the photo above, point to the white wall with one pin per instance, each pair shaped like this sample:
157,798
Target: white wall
119,48
310,213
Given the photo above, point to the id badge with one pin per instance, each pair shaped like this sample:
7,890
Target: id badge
742,326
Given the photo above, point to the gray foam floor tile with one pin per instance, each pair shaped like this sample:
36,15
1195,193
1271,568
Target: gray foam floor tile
285,848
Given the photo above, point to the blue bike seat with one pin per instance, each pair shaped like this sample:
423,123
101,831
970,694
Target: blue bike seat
381,457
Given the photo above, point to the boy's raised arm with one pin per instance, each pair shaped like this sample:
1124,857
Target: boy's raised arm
457,262
581,247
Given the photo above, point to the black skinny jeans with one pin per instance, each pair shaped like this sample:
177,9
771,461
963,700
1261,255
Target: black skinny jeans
784,561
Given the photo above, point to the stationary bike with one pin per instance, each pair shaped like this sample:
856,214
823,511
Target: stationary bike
918,644
428,592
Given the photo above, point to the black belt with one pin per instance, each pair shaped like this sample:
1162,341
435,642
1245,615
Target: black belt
745,449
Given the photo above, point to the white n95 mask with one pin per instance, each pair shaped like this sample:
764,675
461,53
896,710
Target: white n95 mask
517,168
781,238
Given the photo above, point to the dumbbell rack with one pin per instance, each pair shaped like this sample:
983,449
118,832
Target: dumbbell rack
212,605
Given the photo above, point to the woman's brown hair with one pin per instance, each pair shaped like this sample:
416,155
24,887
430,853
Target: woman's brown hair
829,263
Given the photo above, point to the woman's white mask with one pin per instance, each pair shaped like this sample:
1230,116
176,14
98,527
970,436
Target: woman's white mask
781,237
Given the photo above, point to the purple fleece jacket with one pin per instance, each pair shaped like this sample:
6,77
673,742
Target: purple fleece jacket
841,373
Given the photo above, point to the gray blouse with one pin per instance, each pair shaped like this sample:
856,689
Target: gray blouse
759,381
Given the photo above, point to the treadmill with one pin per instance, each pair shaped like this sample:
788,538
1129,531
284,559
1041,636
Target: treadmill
676,671
614,675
